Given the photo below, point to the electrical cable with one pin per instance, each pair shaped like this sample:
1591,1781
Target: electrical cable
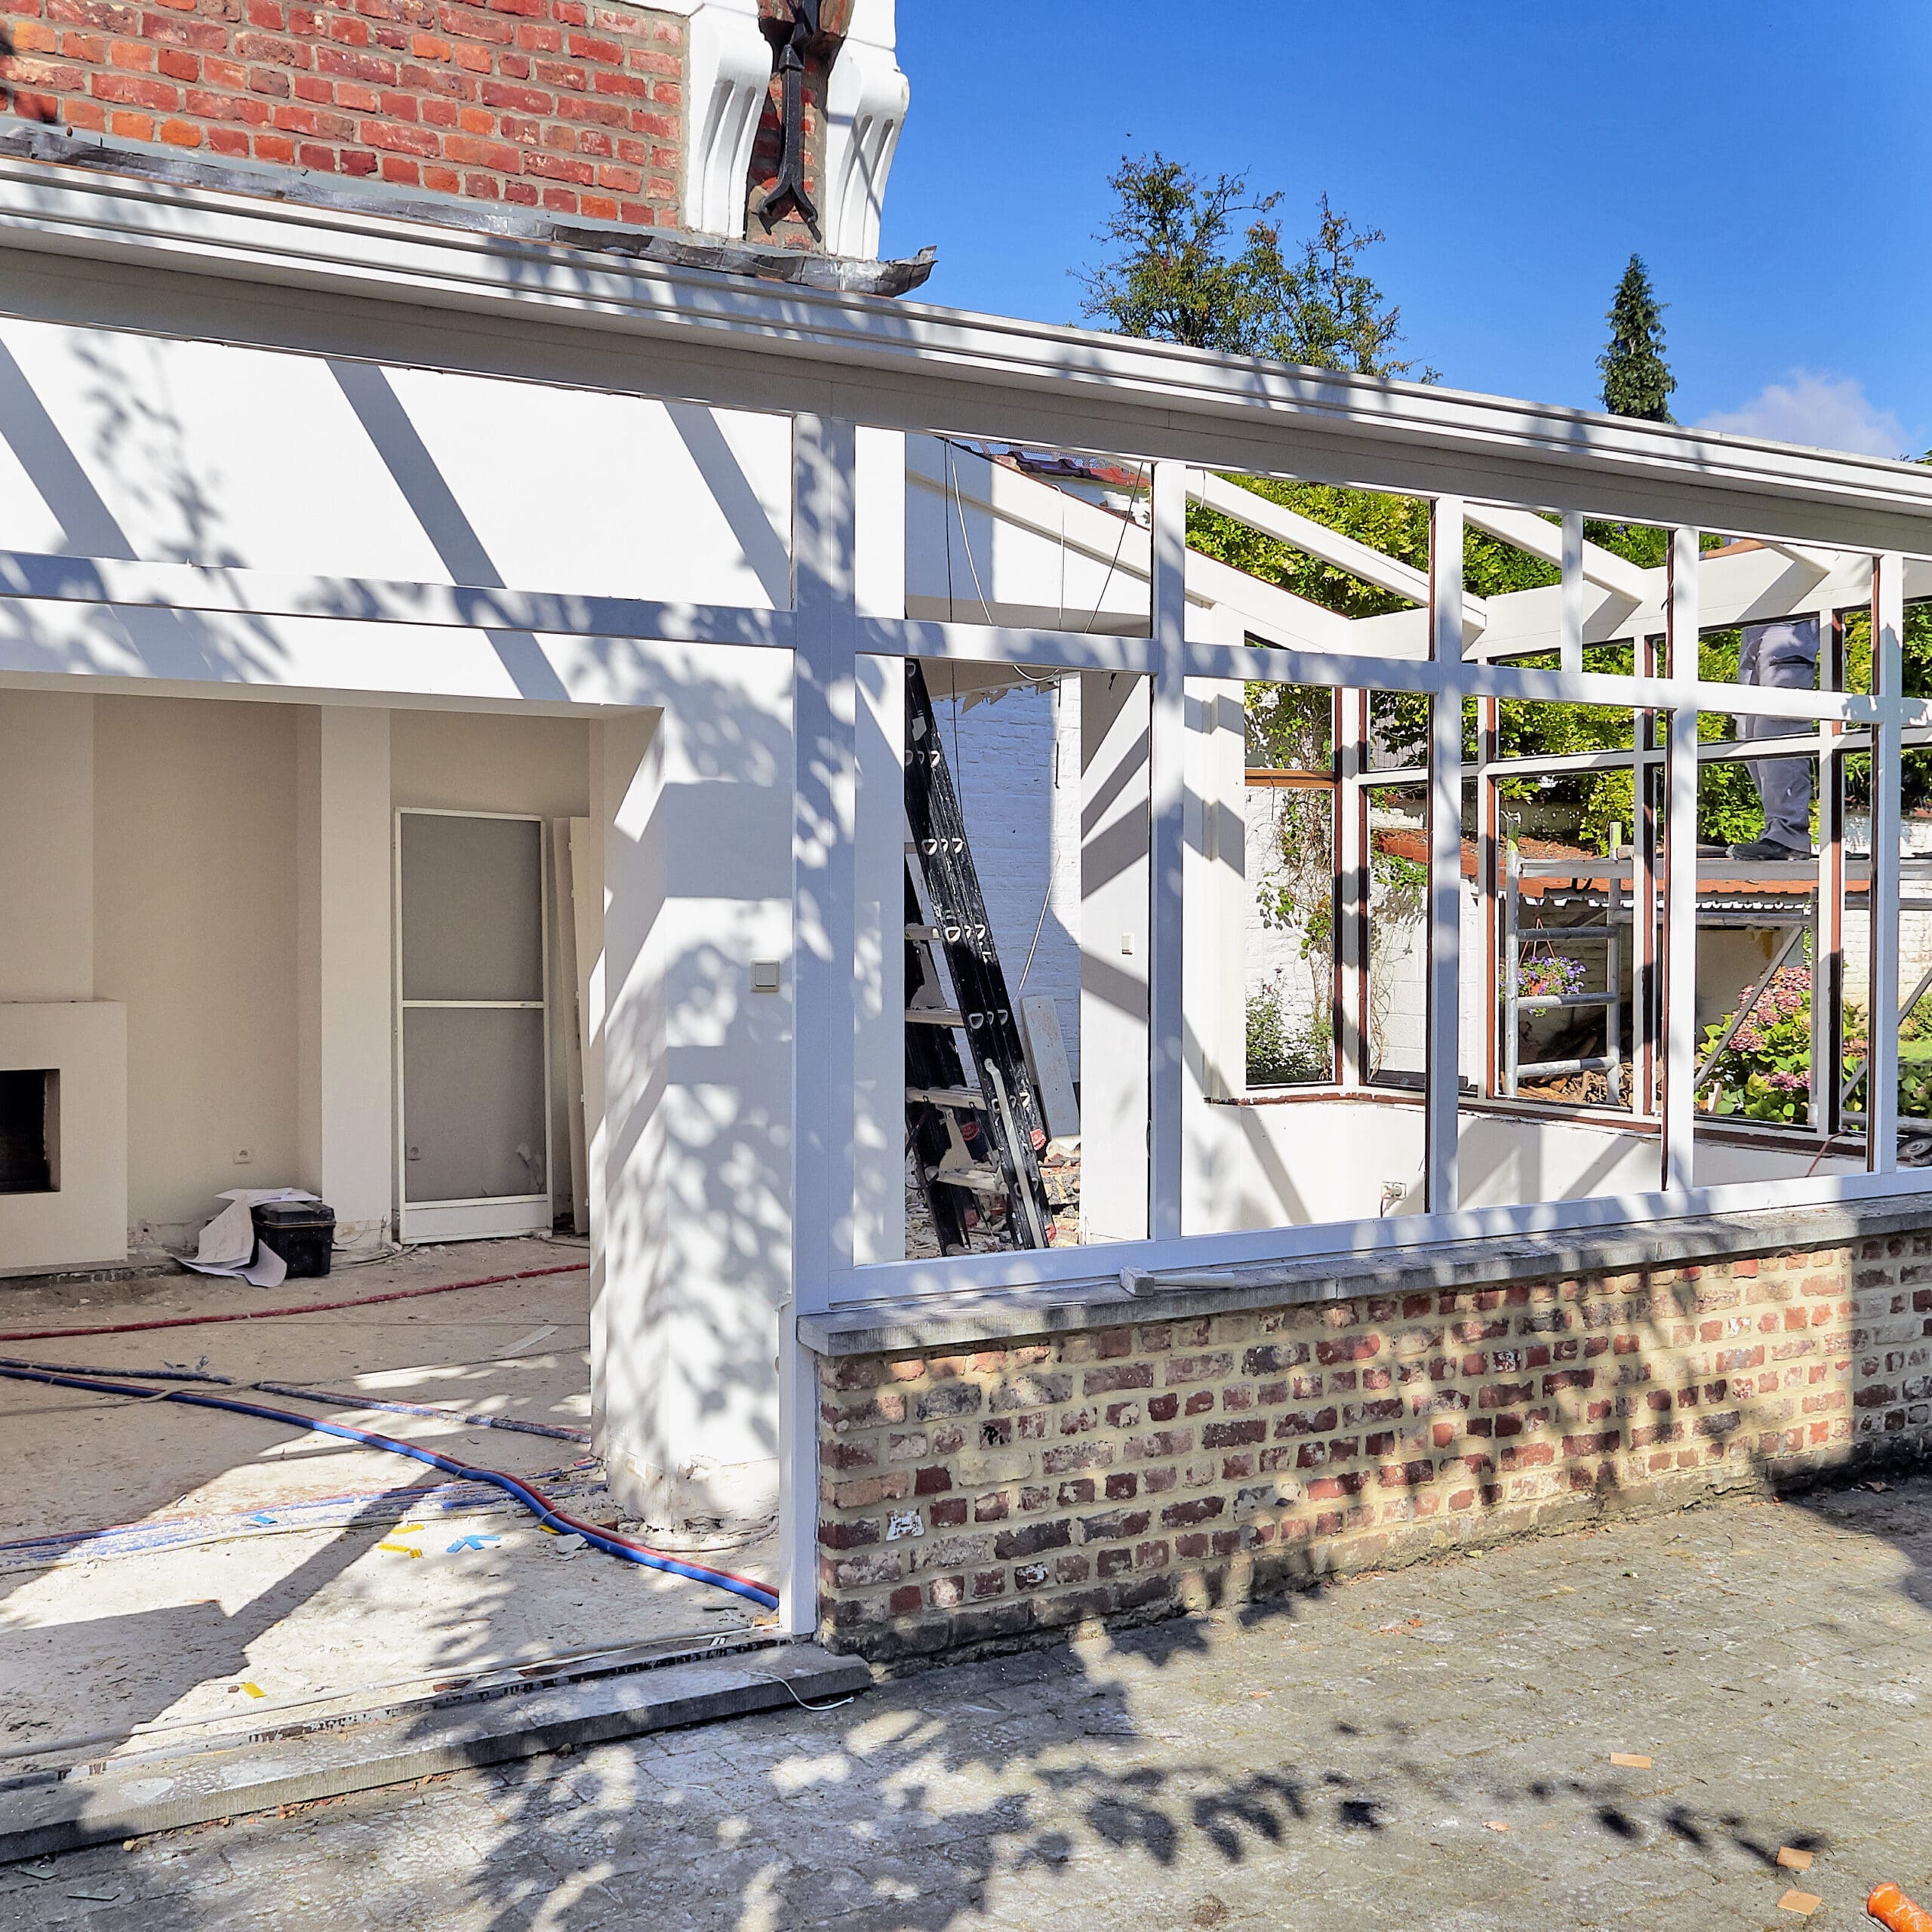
352,1401
271,1314
526,1493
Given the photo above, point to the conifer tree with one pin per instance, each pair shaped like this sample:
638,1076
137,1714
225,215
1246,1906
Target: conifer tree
1636,380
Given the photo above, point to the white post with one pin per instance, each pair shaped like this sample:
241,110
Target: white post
1352,861
1882,1080
1167,786
1680,876
825,1009
1443,1060
879,1230
345,998
1570,652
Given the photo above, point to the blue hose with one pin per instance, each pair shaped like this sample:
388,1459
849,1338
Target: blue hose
531,1499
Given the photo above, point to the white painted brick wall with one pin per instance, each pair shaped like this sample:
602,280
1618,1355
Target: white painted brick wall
1019,790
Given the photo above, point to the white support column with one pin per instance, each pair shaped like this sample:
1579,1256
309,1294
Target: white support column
1881,1083
1444,1058
1680,872
1167,790
1352,897
826,1009
345,968
1570,649
878,1231
878,1227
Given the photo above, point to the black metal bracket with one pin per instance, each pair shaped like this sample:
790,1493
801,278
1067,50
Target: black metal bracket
793,39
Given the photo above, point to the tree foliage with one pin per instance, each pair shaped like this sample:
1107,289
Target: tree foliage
1637,381
1197,260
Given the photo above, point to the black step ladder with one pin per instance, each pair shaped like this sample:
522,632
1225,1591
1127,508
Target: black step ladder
976,1141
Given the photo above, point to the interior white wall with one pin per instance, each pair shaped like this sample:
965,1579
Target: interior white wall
1215,901
691,1223
195,931
46,845
1115,717
345,967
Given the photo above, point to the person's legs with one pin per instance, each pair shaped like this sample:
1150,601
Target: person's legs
1782,656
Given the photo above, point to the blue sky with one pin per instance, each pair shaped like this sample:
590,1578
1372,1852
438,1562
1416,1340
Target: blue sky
1772,162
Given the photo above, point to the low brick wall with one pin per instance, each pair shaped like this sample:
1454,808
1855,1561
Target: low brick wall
975,1495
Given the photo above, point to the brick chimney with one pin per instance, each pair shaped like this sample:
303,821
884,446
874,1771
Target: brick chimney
666,117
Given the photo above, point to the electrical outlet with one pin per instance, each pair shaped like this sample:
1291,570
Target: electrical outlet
245,1157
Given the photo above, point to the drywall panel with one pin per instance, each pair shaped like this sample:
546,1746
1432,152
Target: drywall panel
46,845
195,934
489,761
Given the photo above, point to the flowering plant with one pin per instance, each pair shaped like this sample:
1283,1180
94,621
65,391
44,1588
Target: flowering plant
1765,1072
1546,975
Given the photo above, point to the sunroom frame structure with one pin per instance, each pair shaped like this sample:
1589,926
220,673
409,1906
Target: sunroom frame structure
114,253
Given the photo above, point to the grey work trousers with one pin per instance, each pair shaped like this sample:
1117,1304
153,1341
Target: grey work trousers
1782,656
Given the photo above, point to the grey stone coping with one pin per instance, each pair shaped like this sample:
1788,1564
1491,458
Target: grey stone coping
953,1321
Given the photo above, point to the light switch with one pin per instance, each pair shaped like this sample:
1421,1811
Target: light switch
1127,942
764,975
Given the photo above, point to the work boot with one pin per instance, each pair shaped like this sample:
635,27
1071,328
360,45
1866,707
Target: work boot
1769,851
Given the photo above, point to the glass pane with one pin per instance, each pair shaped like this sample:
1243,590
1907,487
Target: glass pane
472,1103
472,908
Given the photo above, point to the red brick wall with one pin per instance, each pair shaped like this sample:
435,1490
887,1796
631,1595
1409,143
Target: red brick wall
569,106
976,1495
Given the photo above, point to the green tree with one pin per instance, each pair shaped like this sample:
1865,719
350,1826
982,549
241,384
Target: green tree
1636,380
1181,265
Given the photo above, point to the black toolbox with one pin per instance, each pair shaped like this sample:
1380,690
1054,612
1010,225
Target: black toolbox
302,1232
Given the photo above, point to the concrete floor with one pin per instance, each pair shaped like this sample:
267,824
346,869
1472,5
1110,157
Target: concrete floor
291,1566
1331,1763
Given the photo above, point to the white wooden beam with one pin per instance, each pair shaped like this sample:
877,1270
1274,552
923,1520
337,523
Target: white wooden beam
1882,1080
825,1008
1167,780
1316,540
1680,886
1537,537
1443,1060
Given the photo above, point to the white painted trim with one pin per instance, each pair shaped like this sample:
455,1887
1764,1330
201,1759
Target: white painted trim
965,1274
1442,1058
1167,769
865,98
1682,767
1881,1087
727,72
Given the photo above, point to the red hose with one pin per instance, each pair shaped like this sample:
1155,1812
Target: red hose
308,1308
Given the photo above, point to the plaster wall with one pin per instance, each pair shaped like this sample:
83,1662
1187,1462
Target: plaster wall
195,935
47,845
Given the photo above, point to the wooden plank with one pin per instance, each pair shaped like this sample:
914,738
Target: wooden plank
1052,1078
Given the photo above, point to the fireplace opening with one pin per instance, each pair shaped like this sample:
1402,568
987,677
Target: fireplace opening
29,1129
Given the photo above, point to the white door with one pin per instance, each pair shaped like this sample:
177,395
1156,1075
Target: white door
472,978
